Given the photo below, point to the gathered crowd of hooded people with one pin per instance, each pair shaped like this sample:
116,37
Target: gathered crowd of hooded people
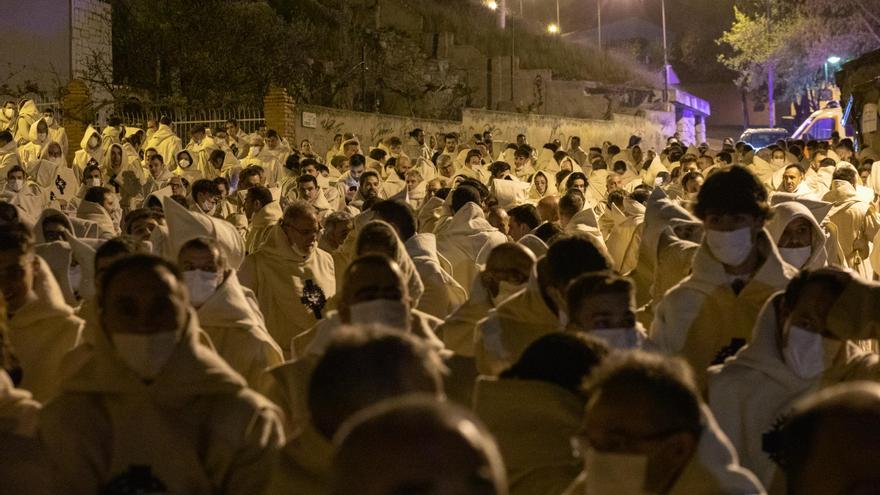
223,313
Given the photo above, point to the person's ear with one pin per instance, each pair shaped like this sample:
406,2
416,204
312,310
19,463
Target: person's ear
680,447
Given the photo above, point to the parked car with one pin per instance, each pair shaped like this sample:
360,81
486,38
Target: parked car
762,137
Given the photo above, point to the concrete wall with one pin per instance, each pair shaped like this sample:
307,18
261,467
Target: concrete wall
726,102
653,127
92,33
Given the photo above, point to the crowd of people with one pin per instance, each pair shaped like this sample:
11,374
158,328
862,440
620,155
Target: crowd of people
440,314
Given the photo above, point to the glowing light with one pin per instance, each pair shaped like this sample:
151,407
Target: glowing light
492,4
834,59
552,29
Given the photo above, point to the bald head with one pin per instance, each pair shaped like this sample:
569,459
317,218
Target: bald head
548,209
416,445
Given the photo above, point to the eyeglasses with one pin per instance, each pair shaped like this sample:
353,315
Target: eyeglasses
302,232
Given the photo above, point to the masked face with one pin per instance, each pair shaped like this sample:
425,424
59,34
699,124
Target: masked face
381,311
622,474
796,257
201,285
808,353
730,247
93,142
145,354
620,338
93,181
16,184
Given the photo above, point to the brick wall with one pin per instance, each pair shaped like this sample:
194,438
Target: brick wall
279,112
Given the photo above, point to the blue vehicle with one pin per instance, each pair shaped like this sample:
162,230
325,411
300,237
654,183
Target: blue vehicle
762,137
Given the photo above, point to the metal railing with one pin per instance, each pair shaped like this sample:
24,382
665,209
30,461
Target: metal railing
249,119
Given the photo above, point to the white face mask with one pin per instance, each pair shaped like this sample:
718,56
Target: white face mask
255,150
49,121
145,354
207,207
94,182
394,314
506,290
93,142
16,185
8,113
184,163
620,474
778,162
807,353
201,285
796,257
730,248
619,338
74,274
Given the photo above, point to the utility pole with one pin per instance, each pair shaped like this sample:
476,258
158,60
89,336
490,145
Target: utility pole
599,21
665,56
771,103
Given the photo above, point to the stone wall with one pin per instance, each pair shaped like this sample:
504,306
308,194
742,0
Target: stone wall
76,105
653,127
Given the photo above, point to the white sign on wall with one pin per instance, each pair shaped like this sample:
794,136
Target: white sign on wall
869,118
309,120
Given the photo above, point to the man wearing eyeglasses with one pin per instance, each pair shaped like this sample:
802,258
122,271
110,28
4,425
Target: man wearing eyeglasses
291,276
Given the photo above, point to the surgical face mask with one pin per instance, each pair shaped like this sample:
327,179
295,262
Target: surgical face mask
255,150
778,162
49,121
796,257
184,163
201,285
8,113
621,474
94,182
207,207
74,274
506,290
394,314
807,353
145,354
93,142
619,338
731,248
16,185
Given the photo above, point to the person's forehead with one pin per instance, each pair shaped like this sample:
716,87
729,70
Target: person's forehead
373,276
141,282
198,255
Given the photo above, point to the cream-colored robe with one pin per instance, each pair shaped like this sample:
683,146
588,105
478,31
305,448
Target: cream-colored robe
19,412
714,469
789,211
167,144
442,294
700,317
96,213
279,276
185,225
84,154
466,241
625,237
752,392
42,332
237,332
533,423
508,329
304,464
261,224
857,223
56,178
197,426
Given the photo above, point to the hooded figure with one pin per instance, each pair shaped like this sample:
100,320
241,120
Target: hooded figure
442,293
857,224
703,320
625,237
52,174
28,114
543,184
166,143
91,150
291,287
42,332
97,214
749,413
185,225
126,177
176,419
464,238
797,253
38,139
260,225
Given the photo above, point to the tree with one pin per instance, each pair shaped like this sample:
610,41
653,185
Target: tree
801,37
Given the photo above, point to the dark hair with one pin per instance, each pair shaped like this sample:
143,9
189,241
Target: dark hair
571,202
498,168
140,214
380,234
399,215
805,278
250,171
827,162
364,366
525,214
271,133
304,178
122,245
15,168
725,157
135,262
733,190
378,154
590,284
16,237
575,176
157,156
688,177
464,194
845,173
548,231
6,136
259,193
367,174
217,155
97,194
197,128
667,382
563,359
797,166
356,160
205,244
573,255
206,186
522,152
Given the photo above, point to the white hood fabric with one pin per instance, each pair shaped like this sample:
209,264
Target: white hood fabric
185,225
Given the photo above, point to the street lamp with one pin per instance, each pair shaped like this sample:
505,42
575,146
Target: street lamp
834,59
665,56
553,28
492,4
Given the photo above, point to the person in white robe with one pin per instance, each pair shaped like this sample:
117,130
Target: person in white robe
166,143
91,150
